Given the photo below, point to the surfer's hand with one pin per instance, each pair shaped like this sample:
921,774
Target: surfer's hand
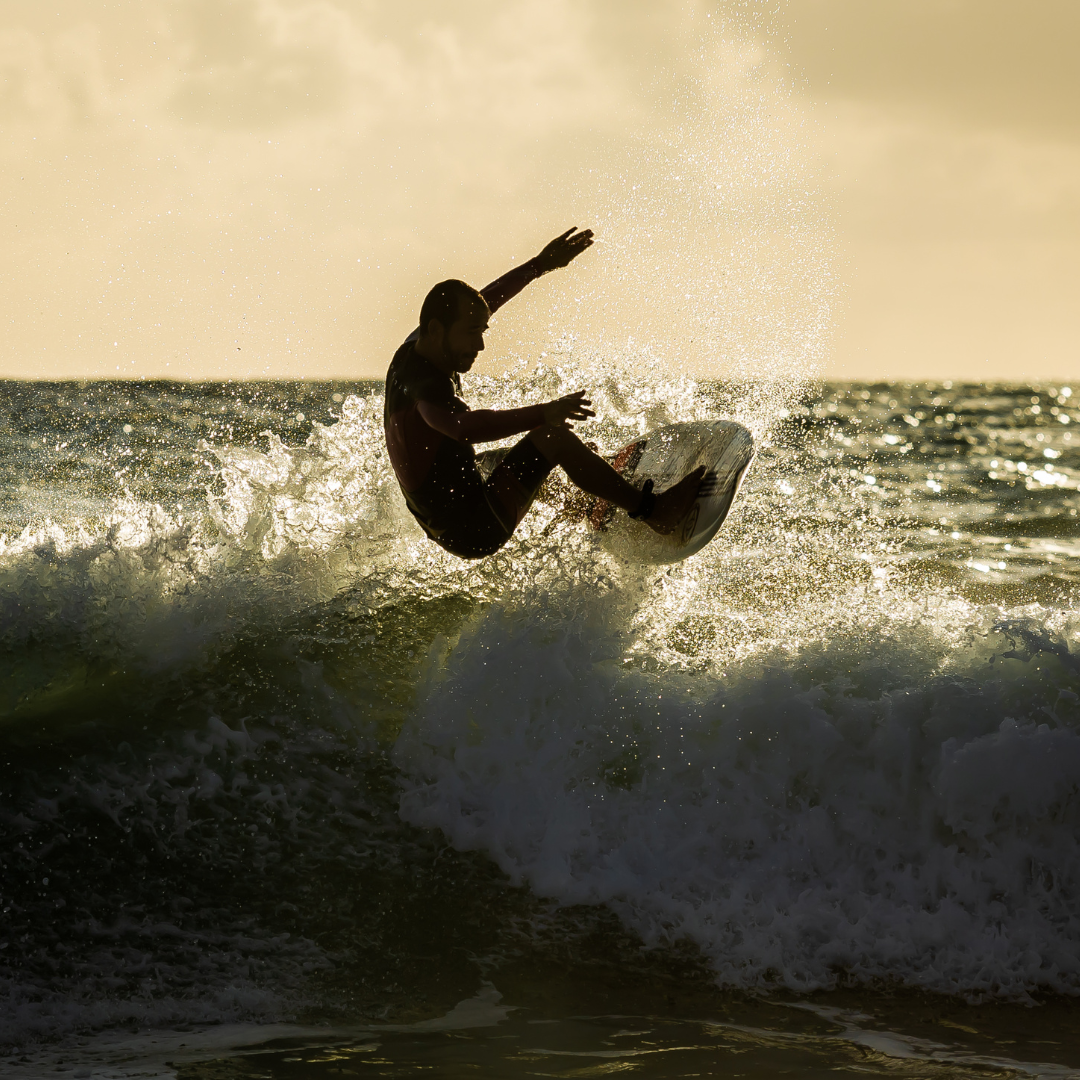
571,407
563,249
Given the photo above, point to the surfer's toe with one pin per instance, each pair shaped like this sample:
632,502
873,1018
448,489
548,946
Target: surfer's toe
674,504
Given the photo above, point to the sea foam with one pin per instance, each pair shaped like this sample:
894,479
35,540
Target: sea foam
808,817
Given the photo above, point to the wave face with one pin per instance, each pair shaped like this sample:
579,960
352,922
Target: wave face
808,819
268,750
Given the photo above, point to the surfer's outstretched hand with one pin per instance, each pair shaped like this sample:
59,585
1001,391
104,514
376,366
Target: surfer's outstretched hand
563,250
572,407
674,504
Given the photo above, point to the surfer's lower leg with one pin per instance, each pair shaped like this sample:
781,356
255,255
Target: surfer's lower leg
586,469
593,474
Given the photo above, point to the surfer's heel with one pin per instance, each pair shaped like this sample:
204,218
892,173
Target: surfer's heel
648,503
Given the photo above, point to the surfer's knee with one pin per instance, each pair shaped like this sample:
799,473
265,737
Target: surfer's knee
548,441
555,443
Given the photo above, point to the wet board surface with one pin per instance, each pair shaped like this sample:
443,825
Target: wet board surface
665,456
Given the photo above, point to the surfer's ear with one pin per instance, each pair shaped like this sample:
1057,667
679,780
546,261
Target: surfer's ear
434,330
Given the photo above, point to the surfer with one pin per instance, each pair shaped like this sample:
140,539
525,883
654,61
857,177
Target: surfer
430,431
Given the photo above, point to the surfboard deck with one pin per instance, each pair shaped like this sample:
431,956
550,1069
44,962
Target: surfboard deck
665,456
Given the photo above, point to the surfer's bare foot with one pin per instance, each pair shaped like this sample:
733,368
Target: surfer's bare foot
674,504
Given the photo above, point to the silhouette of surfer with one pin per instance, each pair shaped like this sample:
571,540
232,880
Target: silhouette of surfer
431,431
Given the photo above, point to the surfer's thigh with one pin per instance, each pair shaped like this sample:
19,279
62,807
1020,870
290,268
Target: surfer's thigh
512,487
474,529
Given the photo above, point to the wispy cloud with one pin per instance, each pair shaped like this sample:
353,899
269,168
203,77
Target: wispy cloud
985,63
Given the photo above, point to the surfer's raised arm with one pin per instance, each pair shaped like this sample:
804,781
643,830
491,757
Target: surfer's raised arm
558,253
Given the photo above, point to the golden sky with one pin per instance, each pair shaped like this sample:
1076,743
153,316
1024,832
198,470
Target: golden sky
267,188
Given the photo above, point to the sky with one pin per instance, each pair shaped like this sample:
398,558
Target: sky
267,188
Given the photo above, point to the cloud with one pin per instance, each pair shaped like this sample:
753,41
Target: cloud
992,63
905,174
247,63
50,84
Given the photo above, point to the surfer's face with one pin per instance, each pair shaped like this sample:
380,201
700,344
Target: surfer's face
464,341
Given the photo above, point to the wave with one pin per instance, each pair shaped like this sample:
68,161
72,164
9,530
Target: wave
883,806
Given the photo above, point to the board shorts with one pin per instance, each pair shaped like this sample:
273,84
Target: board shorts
506,484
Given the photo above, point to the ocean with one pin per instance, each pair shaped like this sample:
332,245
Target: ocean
288,792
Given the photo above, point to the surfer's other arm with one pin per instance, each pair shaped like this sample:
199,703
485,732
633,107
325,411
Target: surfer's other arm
558,253
488,425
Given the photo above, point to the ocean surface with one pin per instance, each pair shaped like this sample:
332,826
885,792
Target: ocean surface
288,792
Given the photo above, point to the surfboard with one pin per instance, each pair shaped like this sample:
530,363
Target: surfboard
665,456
